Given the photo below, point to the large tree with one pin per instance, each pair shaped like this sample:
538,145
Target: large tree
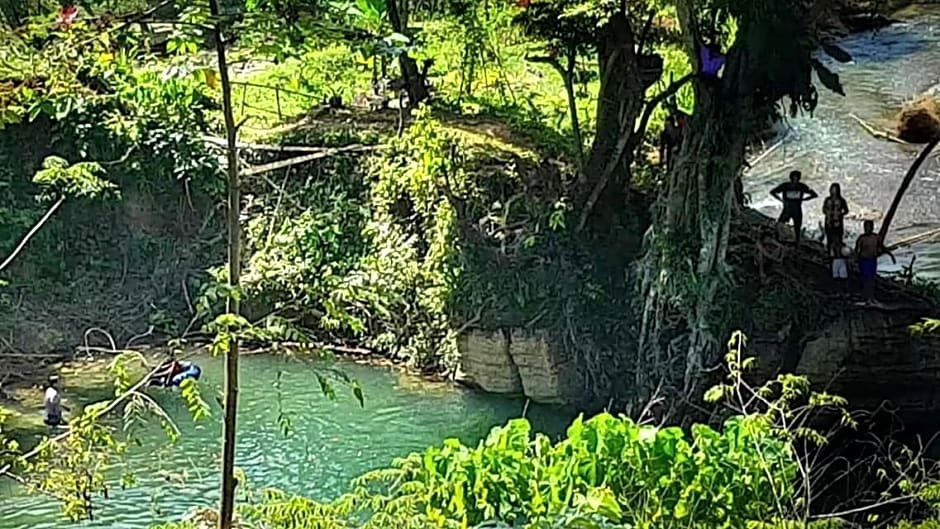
620,36
770,61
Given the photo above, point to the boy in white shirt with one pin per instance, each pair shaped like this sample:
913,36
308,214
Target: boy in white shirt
840,267
52,404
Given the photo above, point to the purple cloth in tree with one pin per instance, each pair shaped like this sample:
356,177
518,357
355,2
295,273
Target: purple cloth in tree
712,61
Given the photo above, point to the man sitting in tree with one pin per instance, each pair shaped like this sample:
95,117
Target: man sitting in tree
793,194
670,141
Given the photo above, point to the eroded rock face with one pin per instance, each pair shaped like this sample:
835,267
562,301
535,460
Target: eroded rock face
485,362
543,368
869,356
516,362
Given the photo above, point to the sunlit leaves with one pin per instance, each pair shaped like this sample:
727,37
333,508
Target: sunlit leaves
82,179
189,392
606,471
927,326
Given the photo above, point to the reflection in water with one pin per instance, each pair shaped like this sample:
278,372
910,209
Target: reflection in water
890,66
330,442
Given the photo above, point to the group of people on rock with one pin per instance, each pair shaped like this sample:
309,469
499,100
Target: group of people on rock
868,246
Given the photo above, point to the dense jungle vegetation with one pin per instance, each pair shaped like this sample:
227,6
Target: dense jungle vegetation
386,174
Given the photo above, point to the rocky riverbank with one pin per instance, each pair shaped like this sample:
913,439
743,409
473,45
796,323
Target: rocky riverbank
797,321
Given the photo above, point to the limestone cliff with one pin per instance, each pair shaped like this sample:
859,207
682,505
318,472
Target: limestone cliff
797,320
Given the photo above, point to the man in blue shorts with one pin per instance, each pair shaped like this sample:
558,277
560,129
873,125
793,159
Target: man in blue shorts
868,247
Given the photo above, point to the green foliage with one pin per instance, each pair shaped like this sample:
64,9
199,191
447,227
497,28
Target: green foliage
74,471
607,472
9,448
82,179
928,524
398,290
927,326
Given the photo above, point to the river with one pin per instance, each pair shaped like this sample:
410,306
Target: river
330,442
334,441
890,66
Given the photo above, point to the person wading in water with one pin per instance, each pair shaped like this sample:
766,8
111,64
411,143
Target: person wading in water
835,209
793,194
52,404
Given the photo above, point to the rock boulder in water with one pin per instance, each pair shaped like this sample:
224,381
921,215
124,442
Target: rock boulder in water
919,122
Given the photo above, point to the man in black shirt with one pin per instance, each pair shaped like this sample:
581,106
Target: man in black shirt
792,194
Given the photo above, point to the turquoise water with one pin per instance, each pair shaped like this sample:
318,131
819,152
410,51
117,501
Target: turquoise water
330,442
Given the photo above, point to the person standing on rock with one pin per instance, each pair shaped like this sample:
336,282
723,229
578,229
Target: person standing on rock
840,268
793,194
835,209
868,247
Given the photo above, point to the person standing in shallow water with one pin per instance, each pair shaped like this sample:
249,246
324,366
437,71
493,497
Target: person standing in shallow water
834,210
52,404
793,194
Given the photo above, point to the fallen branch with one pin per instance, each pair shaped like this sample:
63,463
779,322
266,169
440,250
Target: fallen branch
341,349
31,233
905,183
767,152
914,239
220,142
258,169
880,134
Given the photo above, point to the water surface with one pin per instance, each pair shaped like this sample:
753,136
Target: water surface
330,442
891,66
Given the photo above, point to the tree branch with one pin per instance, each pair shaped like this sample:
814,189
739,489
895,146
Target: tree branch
905,183
258,169
107,409
551,61
31,233
629,140
674,88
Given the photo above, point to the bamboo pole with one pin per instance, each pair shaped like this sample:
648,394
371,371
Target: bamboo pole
227,508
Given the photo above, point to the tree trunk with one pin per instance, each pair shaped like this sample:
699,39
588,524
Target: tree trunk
684,267
227,510
620,102
908,178
568,76
415,82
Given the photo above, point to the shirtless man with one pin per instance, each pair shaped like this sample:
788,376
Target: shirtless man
793,194
868,247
